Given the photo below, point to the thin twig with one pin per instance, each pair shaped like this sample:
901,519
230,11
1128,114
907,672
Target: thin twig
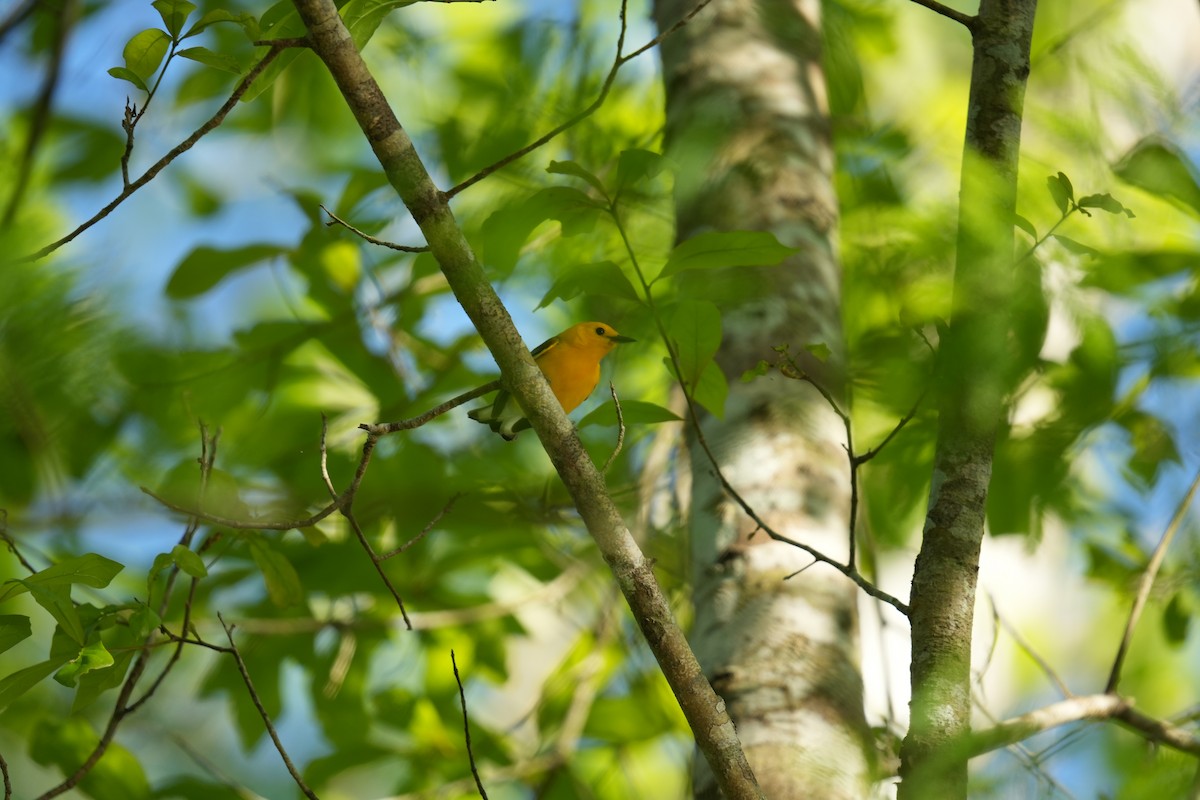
618,61
208,458
7,781
620,428
262,712
213,122
1029,651
1147,583
11,543
462,699
424,531
16,15
963,19
334,219
242,524
382,428
325,459
376,561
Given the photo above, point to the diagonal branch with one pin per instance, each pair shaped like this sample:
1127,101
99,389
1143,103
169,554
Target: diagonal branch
462,699
276,47
949,13
262,712
707,716
1147,583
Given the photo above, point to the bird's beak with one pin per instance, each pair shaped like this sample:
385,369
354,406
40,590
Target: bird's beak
621,339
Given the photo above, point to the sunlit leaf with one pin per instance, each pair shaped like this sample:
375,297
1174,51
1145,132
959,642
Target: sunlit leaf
634,412
174,14
603,278
144,52
92,656
90,569
126,74
210,58
719,249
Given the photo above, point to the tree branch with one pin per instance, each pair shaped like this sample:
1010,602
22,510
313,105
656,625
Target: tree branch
949,13
973,388
1018,729
706,714
462,699
276,47
1147,583
262,712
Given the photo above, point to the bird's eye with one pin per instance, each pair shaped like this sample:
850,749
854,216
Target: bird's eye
600,330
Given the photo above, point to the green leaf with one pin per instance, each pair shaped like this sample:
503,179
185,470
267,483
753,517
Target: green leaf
283,583
634,412
1153,446
18,683
505,231
634,166
695,332
221,61
174,13
90,569
1177,618
57,602
719,249
1078,248
221,15
66,743
363,17
1105,202
757,371
91,656
96,682
126,74
1061,190
1158,166
819,350
604,278
712,390
205,267
144,52
576,171
1025,225
14,628
189,561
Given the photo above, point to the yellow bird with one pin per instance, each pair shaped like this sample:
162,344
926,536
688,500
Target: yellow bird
571,363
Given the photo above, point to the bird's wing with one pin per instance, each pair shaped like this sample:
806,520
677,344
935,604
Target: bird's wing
545,347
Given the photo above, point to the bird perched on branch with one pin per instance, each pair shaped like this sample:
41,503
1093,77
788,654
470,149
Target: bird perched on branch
571,363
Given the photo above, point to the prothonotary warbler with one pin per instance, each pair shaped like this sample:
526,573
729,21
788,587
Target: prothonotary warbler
571,363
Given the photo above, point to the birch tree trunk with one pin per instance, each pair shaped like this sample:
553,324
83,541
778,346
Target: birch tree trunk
747,125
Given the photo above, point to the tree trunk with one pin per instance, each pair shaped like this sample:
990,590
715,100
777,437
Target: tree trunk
974,378
747,125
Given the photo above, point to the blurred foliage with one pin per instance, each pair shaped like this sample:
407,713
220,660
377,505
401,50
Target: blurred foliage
96,402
